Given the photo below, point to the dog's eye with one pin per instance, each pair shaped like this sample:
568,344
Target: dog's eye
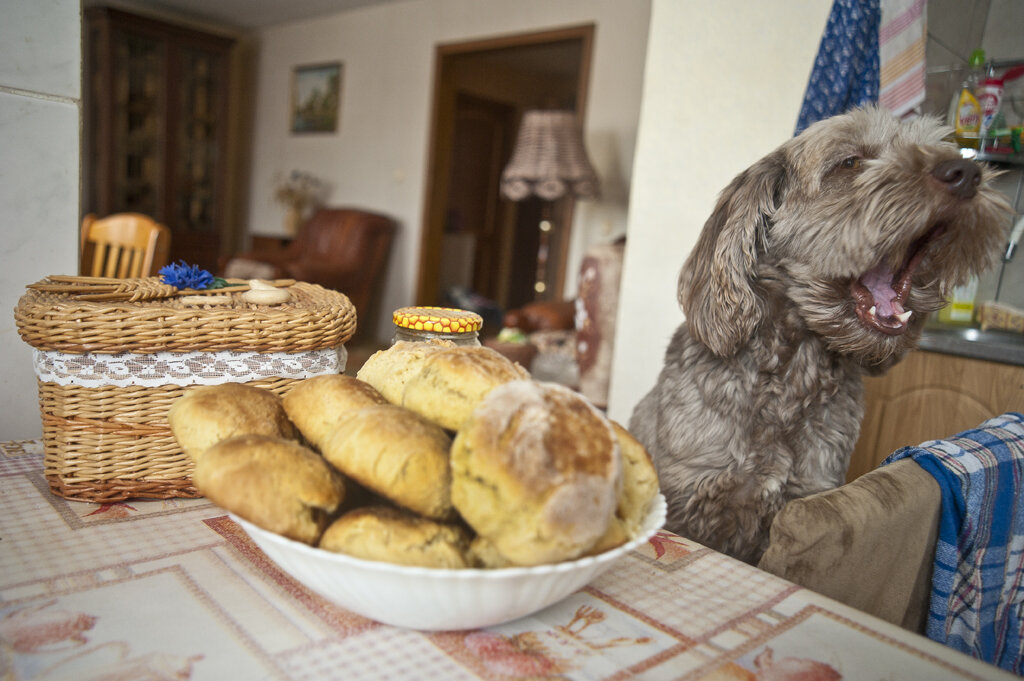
852,163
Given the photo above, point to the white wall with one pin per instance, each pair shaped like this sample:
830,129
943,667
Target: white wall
378,157
723,86
40,76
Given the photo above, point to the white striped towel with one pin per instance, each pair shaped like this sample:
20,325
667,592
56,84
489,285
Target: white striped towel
902,36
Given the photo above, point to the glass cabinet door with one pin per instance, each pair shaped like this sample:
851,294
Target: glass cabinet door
138,124
157,127
198,141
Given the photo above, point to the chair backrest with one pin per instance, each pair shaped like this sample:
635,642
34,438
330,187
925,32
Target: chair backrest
123,245
343,232
345,249
869,544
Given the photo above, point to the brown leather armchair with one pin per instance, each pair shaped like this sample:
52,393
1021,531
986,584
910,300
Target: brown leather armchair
345,249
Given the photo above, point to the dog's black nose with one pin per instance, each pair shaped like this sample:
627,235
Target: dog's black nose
960,177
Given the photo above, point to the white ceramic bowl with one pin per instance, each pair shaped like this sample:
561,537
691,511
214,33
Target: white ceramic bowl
436,599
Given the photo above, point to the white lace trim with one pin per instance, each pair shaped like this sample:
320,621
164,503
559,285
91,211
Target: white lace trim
190,368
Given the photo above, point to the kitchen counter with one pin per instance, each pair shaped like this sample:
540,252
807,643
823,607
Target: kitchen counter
992,345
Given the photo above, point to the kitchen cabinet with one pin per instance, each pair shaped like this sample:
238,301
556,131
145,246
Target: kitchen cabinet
929,396
156,127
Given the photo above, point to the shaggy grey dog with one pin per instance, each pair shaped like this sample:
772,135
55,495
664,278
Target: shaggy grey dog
820,264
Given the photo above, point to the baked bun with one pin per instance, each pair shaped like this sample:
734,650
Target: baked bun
536,471
397,454
451,383
208,414
277,484
387,534
639,481
484,554
388,370
314,404
639,488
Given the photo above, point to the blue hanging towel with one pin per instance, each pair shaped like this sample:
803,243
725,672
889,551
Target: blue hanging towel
846,72
977,600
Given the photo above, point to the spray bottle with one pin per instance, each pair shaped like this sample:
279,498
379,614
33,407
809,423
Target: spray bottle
990,99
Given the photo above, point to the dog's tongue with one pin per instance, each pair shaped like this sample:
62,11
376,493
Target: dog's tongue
878,281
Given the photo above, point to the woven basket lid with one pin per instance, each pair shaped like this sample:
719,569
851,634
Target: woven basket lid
315,318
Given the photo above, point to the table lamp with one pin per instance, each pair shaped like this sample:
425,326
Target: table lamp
549,162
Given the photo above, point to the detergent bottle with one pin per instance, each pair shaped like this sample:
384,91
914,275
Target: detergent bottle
964,109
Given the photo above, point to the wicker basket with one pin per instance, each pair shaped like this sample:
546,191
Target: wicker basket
112,442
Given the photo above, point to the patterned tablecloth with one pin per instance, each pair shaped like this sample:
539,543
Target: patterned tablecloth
175,590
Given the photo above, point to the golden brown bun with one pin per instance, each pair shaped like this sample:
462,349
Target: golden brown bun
397,454
615,535
484,554
639,481
208,414
277,484
536,471
393,536
388,370
452,382
639,487
314,404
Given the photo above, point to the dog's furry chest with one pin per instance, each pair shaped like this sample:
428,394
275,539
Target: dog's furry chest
781,419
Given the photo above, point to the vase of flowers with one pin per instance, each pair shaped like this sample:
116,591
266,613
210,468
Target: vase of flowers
300,193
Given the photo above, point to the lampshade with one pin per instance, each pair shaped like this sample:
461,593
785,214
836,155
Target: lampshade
549,160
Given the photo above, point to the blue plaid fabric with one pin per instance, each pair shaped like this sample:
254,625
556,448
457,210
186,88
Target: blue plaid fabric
977,599
846,71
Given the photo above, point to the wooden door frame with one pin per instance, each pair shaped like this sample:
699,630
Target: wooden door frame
442,112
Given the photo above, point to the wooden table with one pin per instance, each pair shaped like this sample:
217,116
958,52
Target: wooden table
138,589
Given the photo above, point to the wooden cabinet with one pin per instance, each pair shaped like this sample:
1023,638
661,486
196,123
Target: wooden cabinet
929,396
156,127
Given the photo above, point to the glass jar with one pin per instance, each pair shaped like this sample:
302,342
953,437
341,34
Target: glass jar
445,323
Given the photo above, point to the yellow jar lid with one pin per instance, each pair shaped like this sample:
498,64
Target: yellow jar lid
437,319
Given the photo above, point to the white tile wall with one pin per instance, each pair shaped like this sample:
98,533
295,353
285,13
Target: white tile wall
40,46
40,84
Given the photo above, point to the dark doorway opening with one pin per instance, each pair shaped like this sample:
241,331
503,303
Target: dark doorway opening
474,239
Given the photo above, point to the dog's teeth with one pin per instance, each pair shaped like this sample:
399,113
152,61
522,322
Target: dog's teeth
905,316
873,311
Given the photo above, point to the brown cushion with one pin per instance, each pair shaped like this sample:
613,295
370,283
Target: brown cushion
869,544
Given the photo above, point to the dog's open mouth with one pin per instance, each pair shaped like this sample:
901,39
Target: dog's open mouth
880,293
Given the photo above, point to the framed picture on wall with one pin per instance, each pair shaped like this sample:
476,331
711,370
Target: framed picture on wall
316,96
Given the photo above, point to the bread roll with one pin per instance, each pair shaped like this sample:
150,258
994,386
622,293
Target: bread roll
397,454
208,414
388,370
314,404
639,481
389,535
452,382
639,488
484,554
536,471
277,484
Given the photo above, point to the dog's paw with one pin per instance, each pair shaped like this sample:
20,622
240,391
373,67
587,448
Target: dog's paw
771,489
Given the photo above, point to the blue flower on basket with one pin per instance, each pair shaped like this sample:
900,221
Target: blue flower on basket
182,275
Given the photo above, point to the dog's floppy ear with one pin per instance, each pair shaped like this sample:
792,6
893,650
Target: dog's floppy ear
716,282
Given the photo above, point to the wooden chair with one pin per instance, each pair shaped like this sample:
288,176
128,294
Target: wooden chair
123,245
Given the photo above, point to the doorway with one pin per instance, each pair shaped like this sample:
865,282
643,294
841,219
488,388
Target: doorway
474,240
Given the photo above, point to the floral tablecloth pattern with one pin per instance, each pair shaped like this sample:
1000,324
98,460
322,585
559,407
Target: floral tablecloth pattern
175,590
